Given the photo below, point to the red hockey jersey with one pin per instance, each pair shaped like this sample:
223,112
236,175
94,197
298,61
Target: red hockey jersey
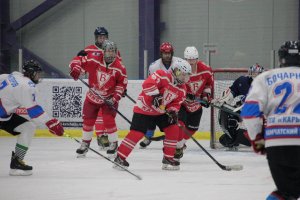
108,80
199,81
160,82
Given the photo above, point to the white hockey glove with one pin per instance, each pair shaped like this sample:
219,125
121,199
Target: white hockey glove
226,97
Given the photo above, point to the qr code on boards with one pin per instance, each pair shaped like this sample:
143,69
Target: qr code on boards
67,101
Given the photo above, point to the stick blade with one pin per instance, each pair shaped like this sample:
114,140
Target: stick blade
234,168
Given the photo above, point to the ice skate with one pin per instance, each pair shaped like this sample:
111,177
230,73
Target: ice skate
121,162
82,150
170,164
103,142
143,144
112,150
18,167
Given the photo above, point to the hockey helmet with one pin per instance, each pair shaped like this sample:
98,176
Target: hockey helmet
30,69
181,71
166,47
255,69
289,54
101,31
110,51
191,53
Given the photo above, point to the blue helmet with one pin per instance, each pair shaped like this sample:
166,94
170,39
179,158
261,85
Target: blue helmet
101,31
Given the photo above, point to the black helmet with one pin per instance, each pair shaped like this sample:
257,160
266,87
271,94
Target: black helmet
101,31
289,54
30,68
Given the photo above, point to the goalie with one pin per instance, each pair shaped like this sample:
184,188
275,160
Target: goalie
235,96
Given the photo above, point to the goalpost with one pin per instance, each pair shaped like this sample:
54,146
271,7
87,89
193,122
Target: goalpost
223,78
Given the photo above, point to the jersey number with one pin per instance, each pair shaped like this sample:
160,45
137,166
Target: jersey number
3,85
288,89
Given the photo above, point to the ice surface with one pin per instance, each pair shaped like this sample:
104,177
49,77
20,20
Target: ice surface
59,175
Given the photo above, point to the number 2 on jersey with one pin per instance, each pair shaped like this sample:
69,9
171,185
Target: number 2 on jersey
287,89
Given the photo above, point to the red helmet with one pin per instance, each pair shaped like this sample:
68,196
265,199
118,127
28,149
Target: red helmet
166,47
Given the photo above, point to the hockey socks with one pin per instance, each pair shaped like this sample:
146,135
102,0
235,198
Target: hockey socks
20,151
129,143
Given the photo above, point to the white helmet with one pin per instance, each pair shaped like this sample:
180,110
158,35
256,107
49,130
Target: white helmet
181,70
191,53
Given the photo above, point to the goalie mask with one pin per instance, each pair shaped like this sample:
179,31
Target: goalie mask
32,70
256,69
110,51
289,54
181,70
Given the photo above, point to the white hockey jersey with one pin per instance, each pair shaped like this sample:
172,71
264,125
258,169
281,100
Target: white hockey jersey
159,65
18,91
274,95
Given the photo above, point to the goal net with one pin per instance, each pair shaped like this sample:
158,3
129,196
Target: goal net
223,78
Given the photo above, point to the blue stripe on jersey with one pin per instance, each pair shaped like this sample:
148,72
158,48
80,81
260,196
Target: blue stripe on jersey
3,113
250,110
282,132
35,111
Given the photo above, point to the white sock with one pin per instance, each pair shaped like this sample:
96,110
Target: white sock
87,135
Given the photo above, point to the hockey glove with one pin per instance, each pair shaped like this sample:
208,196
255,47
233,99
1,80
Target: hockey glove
82,53
75,72
173,117
112,101
157,100
55,127
124,93
258,144
190,97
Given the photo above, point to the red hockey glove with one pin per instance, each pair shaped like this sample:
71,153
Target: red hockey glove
173,117
157,100
55,127
258,144
75,71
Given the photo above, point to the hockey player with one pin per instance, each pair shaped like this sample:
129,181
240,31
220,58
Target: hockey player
275,96
101,34
230,124
109,79
199,87
164,62
18,90
158,103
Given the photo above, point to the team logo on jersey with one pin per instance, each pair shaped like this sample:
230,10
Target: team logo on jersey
194,86
96,54
102,78
169,96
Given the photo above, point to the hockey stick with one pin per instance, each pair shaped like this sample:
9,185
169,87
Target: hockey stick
130,98
224,167
105,101
123,168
